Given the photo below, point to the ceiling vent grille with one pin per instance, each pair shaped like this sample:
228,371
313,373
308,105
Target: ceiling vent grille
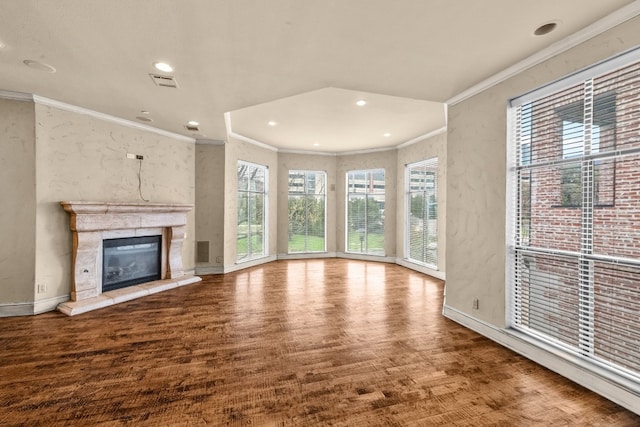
164,81
191,128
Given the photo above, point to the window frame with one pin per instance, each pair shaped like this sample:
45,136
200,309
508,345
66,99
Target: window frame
368,194
251,254
589,258
306,195
427,163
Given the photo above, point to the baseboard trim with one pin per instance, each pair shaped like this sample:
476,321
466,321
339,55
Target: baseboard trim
49,304
618,389
312,255
422,269
209,270
248,264
362,257
16,309
31,308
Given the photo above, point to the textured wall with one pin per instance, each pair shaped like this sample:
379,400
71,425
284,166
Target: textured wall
476,176
79,157
288,161
386,160
210,201
435,146
18,212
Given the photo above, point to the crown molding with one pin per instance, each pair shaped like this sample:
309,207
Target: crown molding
205,141
610,21
108,118
431,134
16,96
308,152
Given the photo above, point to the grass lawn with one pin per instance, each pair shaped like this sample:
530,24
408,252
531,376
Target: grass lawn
375,243
256,244
315,244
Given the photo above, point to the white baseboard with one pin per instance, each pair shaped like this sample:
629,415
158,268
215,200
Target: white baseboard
363,257
252,263
614,387
31,308
16,309
209,270
313,255
421,268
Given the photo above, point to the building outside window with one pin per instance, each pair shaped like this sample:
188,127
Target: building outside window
421,225
252,229
576,192
365,212
307,211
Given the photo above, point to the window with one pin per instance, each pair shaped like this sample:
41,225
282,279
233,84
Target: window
576,244
307,208
365,212
421,226
252,211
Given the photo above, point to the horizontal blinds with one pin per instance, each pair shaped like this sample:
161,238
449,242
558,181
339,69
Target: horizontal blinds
422,212
577,243
365,211
307,211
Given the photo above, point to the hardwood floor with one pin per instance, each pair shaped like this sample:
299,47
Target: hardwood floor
291,343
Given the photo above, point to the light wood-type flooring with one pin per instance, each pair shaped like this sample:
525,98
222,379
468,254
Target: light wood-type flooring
290,343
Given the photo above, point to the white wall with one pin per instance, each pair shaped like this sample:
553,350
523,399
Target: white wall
18,212
210,204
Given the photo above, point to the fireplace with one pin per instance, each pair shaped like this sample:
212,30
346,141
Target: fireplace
130,261
123,251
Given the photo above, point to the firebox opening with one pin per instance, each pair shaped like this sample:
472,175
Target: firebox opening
130,261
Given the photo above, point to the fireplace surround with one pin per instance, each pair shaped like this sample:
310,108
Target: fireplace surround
92,223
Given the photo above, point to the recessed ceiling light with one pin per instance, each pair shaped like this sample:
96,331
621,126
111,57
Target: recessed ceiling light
315,144
193,123
40,66
2,45
361,103
545,29
145,112
387,135
163,66
144,119
271,123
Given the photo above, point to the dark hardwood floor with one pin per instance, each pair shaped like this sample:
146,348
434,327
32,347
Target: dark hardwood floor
291,343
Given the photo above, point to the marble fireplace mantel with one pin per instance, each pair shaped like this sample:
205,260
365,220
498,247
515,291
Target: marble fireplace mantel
92,222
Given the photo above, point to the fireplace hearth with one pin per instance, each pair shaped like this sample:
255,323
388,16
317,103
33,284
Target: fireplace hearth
123,251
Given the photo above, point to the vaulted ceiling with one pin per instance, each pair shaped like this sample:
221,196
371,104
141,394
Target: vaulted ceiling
300,64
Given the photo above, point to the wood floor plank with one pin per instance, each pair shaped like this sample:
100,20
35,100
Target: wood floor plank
290,343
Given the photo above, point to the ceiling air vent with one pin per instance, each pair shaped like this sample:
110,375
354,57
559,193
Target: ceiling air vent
192,128
164,81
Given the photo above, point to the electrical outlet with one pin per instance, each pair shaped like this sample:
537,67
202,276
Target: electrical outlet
131,156
42,288
476,304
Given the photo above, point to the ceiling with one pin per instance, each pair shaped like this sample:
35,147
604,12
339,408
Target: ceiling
302,64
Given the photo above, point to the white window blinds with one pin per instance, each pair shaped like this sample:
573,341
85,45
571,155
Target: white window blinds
421,225
307,207
252,230
365,211
576,222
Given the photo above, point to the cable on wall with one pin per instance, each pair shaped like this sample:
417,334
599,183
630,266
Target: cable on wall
140,180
